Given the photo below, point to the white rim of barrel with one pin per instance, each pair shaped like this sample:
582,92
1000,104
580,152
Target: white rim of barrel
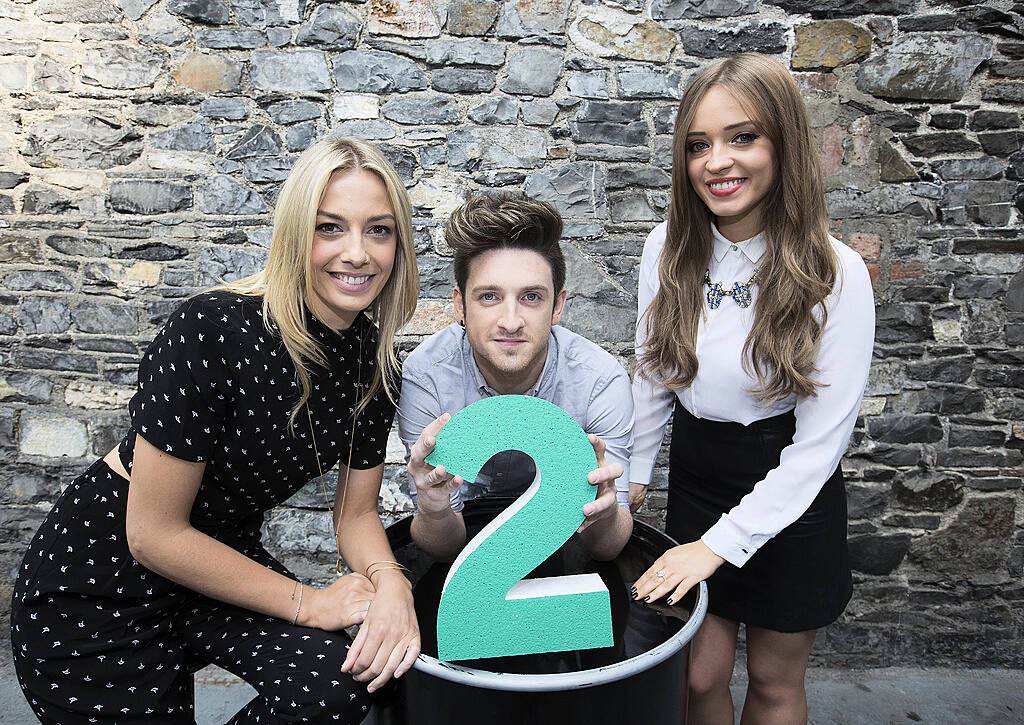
513,682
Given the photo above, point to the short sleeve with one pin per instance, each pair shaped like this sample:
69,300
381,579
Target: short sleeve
185,385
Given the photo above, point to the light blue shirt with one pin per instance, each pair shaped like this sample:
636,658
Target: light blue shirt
441,376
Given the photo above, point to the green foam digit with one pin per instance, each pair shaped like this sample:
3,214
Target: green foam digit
485,608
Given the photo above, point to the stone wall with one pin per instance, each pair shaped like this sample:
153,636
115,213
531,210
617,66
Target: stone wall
142,143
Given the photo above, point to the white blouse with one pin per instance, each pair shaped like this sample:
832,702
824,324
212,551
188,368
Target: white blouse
721,390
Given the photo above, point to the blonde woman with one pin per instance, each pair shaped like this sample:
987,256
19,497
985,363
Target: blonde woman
248,392
757,327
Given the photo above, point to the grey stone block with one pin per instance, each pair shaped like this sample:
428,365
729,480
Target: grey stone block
495,110
30,279
190,137
228,264
413,110
372,71
112,319
475,147
230,38
257,141
224,108
79,141
588,84
926,67
330,27
44,315
223,195
639,81
688,9
468,51
294,111
576,189
208,12
533,71
463,80
766,37
148,197
289,70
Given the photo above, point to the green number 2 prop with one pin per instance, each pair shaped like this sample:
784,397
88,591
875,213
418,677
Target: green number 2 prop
485,610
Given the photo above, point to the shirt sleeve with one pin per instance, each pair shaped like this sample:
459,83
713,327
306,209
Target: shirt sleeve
823,425
652,401
610,418
185,385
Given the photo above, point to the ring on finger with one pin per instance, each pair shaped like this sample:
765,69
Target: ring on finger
660,574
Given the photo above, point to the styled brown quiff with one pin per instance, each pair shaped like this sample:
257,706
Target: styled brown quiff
505,221
799,267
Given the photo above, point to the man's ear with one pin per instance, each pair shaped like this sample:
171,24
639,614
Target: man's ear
556,313
460,310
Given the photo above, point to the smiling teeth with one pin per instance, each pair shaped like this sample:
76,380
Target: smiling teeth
349,279
726,185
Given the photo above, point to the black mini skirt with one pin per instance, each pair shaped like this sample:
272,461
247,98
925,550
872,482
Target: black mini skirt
799,579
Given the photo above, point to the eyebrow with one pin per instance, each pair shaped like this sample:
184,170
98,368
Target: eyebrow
477,289
378,218
730,127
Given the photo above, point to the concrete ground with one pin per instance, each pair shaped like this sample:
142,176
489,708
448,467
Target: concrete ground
840,697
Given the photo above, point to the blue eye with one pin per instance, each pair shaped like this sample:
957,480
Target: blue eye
748,137
531,297
695,147
488,296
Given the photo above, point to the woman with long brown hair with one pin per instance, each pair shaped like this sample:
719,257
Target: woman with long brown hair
150,564
757,327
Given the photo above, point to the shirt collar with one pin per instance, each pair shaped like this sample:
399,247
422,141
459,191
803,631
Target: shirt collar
534,391
753,248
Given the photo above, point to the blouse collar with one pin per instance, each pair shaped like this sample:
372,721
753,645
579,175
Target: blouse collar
753,248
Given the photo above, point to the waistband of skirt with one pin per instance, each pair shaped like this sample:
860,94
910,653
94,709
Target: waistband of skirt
782,422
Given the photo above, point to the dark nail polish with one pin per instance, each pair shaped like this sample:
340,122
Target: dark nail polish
632,590
647,598
668,602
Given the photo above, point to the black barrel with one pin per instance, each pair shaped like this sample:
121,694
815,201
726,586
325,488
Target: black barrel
640,678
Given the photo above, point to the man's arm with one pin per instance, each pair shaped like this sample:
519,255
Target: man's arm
607,525
436,528
610,420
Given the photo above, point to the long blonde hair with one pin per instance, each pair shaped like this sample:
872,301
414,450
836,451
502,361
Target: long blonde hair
799,268
286,280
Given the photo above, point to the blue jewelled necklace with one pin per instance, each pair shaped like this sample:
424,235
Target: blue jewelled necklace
739,292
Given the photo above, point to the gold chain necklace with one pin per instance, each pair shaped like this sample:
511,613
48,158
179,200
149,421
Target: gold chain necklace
348,464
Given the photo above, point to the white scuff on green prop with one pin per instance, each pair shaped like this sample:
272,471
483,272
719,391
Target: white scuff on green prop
485,610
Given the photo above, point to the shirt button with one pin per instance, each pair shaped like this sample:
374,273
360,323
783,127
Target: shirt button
734,247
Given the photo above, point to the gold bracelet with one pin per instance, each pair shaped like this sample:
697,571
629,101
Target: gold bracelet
379,569
299,606
393,565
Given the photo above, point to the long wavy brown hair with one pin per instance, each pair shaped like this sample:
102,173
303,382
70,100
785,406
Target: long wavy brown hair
798,269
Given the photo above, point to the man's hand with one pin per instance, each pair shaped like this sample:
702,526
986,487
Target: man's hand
433,483
637,496
604,478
